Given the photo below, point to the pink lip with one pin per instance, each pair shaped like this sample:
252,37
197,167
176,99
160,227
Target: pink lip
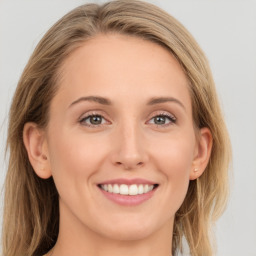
128,200
128,181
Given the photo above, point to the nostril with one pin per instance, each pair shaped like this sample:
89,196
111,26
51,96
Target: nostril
129,166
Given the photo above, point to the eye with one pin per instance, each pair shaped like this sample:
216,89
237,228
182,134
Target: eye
93,120
162,119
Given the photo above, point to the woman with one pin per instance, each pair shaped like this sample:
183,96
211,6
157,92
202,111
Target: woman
117,142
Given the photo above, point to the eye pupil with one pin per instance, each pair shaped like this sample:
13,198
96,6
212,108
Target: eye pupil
95,120
159,120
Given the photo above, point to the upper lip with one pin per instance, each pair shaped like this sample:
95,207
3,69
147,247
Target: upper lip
128,181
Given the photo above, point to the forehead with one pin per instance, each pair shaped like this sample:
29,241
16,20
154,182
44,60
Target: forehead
115,65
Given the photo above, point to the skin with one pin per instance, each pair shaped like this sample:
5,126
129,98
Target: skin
128,143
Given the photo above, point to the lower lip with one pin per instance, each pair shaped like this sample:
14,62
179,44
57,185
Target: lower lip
128,200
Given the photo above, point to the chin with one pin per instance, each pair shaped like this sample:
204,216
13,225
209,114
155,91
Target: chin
128,235
129,231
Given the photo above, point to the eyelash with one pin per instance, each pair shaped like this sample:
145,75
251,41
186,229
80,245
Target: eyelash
83,120
172,120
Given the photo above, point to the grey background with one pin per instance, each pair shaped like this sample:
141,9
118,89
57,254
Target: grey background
226,30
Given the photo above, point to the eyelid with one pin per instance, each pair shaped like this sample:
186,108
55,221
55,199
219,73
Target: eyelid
162,113
167,114
93,113
89,113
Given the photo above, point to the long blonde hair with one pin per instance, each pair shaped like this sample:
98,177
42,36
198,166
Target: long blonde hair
31,213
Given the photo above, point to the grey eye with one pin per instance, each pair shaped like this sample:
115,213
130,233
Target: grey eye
93,120
96,120
160,120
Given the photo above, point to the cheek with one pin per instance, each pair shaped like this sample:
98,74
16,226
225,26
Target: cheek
174,160
74,155
175,154
74,158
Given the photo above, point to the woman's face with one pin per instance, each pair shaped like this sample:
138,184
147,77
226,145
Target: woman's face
121,122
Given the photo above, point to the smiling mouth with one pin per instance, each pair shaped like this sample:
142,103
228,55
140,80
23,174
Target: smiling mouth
128,190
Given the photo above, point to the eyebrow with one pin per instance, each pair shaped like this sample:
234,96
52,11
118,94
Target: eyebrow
97,99
160,100
105,101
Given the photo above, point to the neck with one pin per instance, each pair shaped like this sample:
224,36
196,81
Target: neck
77,239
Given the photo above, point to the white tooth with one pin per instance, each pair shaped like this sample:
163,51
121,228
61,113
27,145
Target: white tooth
141,189
105,187
124,189
133,190
146,188
116,189
110,189
150,187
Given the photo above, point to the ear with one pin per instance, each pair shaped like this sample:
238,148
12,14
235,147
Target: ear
36,146
202,153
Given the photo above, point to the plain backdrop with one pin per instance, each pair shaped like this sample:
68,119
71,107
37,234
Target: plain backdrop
226,30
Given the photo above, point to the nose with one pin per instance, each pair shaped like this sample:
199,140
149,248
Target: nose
130,150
